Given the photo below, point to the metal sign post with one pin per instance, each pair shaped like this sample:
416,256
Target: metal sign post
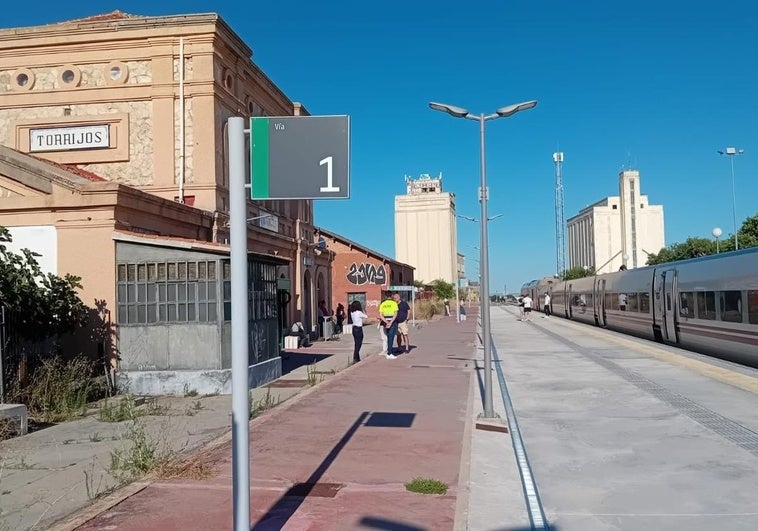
290,158
240,360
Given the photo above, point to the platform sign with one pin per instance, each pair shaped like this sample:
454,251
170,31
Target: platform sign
300,157
404,288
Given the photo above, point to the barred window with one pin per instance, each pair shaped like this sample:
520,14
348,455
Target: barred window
167,292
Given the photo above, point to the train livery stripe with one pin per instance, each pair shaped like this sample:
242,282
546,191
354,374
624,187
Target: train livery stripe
740,336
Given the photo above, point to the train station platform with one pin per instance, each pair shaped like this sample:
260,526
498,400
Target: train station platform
617,433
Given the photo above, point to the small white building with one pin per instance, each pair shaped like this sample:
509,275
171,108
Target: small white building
618,230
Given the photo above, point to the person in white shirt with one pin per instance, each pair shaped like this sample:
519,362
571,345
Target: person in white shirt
357,317
546,308
527,307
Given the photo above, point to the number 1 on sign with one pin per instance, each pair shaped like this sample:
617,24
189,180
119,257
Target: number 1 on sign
329,176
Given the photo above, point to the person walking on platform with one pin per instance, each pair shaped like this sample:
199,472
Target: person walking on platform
546,307
462,311
403,309
388,313
527,307
521,307
357,316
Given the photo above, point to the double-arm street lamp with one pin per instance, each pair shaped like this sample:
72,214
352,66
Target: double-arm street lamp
503,112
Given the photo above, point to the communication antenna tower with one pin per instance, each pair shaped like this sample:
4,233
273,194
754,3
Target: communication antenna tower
560,224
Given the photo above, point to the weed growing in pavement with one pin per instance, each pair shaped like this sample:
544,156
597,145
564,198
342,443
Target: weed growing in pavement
95,437
153,408
121,410
262,404
311,376
426,486
193,409
93,491
189,392
141,455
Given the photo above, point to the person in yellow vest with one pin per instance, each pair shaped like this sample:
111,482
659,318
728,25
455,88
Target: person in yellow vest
388,314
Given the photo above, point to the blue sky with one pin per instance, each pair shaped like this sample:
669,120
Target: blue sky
654,86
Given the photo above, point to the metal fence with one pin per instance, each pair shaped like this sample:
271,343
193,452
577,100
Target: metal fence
17,356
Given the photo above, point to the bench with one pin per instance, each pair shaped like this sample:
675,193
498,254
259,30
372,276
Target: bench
16,411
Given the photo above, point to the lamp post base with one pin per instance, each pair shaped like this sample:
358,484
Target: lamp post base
491,424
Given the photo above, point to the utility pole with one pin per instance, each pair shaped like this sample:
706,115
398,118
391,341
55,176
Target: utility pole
560,225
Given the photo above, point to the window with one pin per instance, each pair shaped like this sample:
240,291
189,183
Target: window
752,307
706,305
116,73
23,79
70,76
632,302
731,306
645,302
686,301
162,292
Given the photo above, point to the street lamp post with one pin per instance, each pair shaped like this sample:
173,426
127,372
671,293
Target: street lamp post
503,112
731,152
716,234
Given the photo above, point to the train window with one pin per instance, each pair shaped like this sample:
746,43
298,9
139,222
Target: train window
611,301
632,302
645,302
752,307
731,306
706,305
686,301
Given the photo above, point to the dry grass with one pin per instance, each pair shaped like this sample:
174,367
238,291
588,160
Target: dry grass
427,309
192,467
7,429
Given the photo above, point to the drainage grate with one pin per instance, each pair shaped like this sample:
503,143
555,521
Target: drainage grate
719,424
287,383
314,490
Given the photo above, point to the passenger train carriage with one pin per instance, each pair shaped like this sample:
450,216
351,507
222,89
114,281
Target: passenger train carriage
707,304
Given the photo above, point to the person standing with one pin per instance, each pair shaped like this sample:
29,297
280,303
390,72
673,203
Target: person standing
463,312
340,315
546,308
357,316
388,313
403,309
521,307
527,307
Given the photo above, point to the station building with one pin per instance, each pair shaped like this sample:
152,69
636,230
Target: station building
113,167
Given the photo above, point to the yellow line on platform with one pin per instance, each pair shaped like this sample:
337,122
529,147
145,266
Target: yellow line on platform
741,381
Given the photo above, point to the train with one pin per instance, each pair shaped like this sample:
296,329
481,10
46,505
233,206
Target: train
707,304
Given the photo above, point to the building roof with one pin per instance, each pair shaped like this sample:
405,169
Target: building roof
176,242
351,243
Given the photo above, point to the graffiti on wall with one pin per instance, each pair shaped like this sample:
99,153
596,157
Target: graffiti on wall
366,273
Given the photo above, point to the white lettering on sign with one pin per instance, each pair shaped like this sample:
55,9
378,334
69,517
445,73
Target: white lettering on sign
69,138
329,176
279,126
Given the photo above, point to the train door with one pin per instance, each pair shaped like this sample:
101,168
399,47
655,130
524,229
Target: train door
668,307
569,296
600,302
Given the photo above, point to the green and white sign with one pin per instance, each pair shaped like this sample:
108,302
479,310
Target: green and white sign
300,157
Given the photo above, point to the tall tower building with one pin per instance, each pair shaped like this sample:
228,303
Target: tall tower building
425,229
618,230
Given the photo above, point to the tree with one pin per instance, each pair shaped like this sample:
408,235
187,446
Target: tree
577,272
691,248
442,289
46,304
419,283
